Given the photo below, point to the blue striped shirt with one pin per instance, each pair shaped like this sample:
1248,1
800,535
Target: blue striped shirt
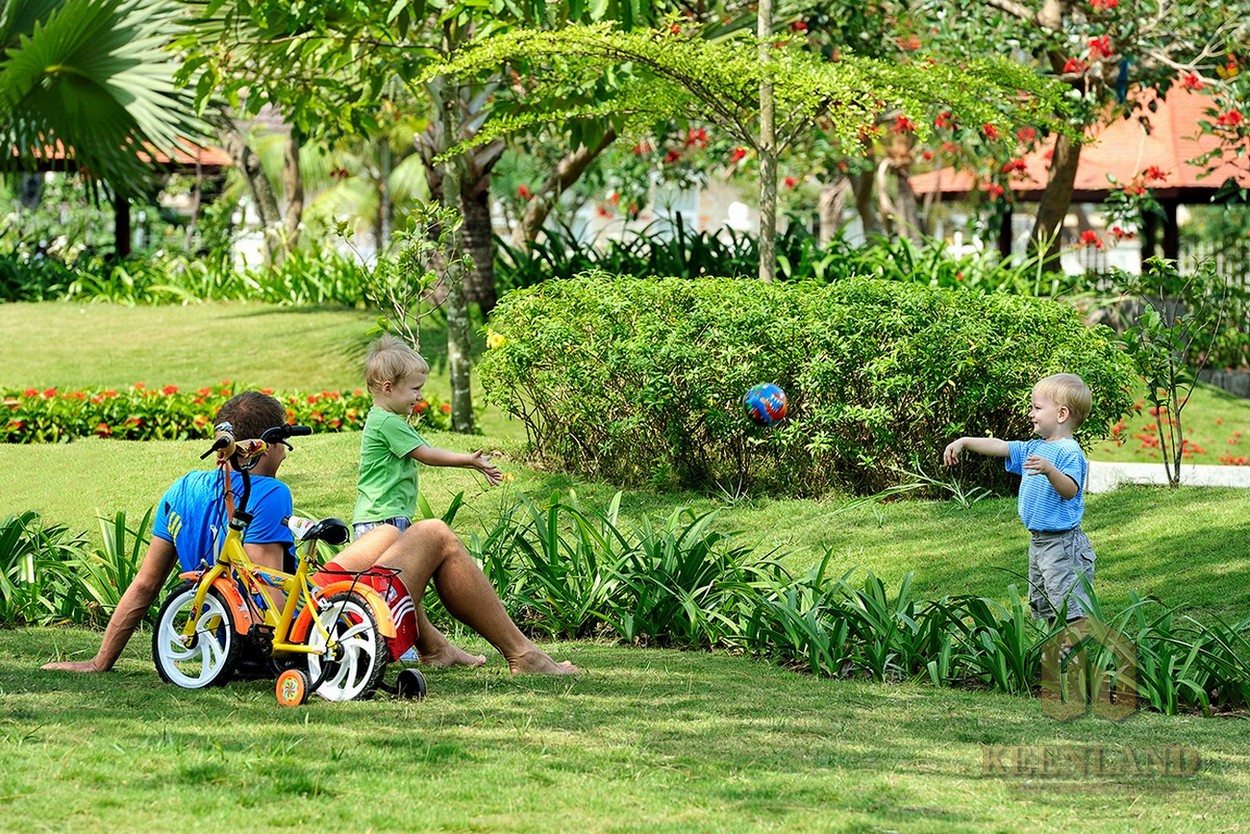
1041,508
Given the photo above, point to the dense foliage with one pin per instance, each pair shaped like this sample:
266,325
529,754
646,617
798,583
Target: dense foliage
567,570
141,413
640,380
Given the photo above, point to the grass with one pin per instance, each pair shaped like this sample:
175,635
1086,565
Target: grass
645,740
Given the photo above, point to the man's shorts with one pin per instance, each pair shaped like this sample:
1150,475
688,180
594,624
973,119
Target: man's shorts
393,591
361,527
1057,563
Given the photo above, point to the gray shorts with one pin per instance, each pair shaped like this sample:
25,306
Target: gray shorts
362,527
1057,561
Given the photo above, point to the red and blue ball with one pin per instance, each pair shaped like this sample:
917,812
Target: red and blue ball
765,404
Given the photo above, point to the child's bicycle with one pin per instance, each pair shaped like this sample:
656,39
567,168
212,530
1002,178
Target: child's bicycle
330,640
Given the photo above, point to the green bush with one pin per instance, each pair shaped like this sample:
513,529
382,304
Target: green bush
641,380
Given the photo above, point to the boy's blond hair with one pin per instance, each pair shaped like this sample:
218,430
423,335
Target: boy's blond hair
390,359
1070,391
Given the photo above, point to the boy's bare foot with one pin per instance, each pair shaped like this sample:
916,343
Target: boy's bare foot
452,656
537,662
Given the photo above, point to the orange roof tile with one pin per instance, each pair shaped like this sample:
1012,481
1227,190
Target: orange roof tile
1122,149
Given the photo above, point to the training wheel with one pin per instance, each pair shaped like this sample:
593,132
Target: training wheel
292,688
410,684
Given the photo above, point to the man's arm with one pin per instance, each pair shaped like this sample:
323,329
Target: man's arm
131,609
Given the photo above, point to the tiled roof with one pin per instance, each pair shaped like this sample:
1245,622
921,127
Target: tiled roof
1122,149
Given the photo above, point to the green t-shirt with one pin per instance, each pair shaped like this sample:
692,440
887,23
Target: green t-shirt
387,487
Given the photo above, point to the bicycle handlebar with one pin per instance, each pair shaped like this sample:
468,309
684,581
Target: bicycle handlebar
225,445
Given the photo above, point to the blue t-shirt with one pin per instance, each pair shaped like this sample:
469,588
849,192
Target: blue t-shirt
1041,508
192,516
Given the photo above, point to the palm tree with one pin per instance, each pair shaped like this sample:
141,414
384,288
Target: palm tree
93,80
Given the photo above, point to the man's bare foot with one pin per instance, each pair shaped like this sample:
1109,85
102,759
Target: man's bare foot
537,662
451,656
72,666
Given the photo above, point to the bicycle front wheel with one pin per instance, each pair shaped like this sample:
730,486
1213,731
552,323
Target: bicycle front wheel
354,657
209,656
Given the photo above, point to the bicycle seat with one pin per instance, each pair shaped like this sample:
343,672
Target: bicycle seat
328,530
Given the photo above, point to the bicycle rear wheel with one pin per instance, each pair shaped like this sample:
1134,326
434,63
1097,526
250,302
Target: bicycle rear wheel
209,657
356,660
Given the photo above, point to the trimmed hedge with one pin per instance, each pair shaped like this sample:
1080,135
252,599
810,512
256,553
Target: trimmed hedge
640,380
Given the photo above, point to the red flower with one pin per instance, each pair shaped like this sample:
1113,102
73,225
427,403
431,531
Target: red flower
1075,65
994,190
1104,5
1230,119
990,131
1120,234
927,156
1191,81
1100,47
602,212
316,417
903,124
523,191
421,407
30,392
1015,165
139,386
169,390
1026,135
615,198
267,391
737,155
944,119
16,425
798,26
671,156
642,149
910,43
1154,172
696,137
791,182
446,408
103,430
1090,238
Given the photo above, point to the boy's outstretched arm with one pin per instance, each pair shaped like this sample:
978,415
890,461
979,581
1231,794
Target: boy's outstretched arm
434,456
131,609
991,446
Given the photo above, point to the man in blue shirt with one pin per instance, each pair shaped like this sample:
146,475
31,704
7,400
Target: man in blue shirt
189,519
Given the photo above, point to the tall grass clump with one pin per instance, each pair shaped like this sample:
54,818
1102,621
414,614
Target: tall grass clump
639,381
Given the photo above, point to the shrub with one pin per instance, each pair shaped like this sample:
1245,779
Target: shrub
640,380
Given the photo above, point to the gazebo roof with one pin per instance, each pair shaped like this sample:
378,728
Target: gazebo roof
186,158
1122,149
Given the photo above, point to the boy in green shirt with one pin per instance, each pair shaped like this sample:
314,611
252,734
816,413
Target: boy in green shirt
390,448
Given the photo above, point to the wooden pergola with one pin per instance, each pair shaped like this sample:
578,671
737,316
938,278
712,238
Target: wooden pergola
1123,150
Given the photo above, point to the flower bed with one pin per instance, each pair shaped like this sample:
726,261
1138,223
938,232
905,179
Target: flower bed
168,413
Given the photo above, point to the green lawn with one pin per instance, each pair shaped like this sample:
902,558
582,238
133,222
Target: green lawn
645,739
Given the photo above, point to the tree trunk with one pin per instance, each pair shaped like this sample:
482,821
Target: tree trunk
293,186
830,206
478,234
248,164
862,188
767,151
1055,202
478,230
446,111
567,171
